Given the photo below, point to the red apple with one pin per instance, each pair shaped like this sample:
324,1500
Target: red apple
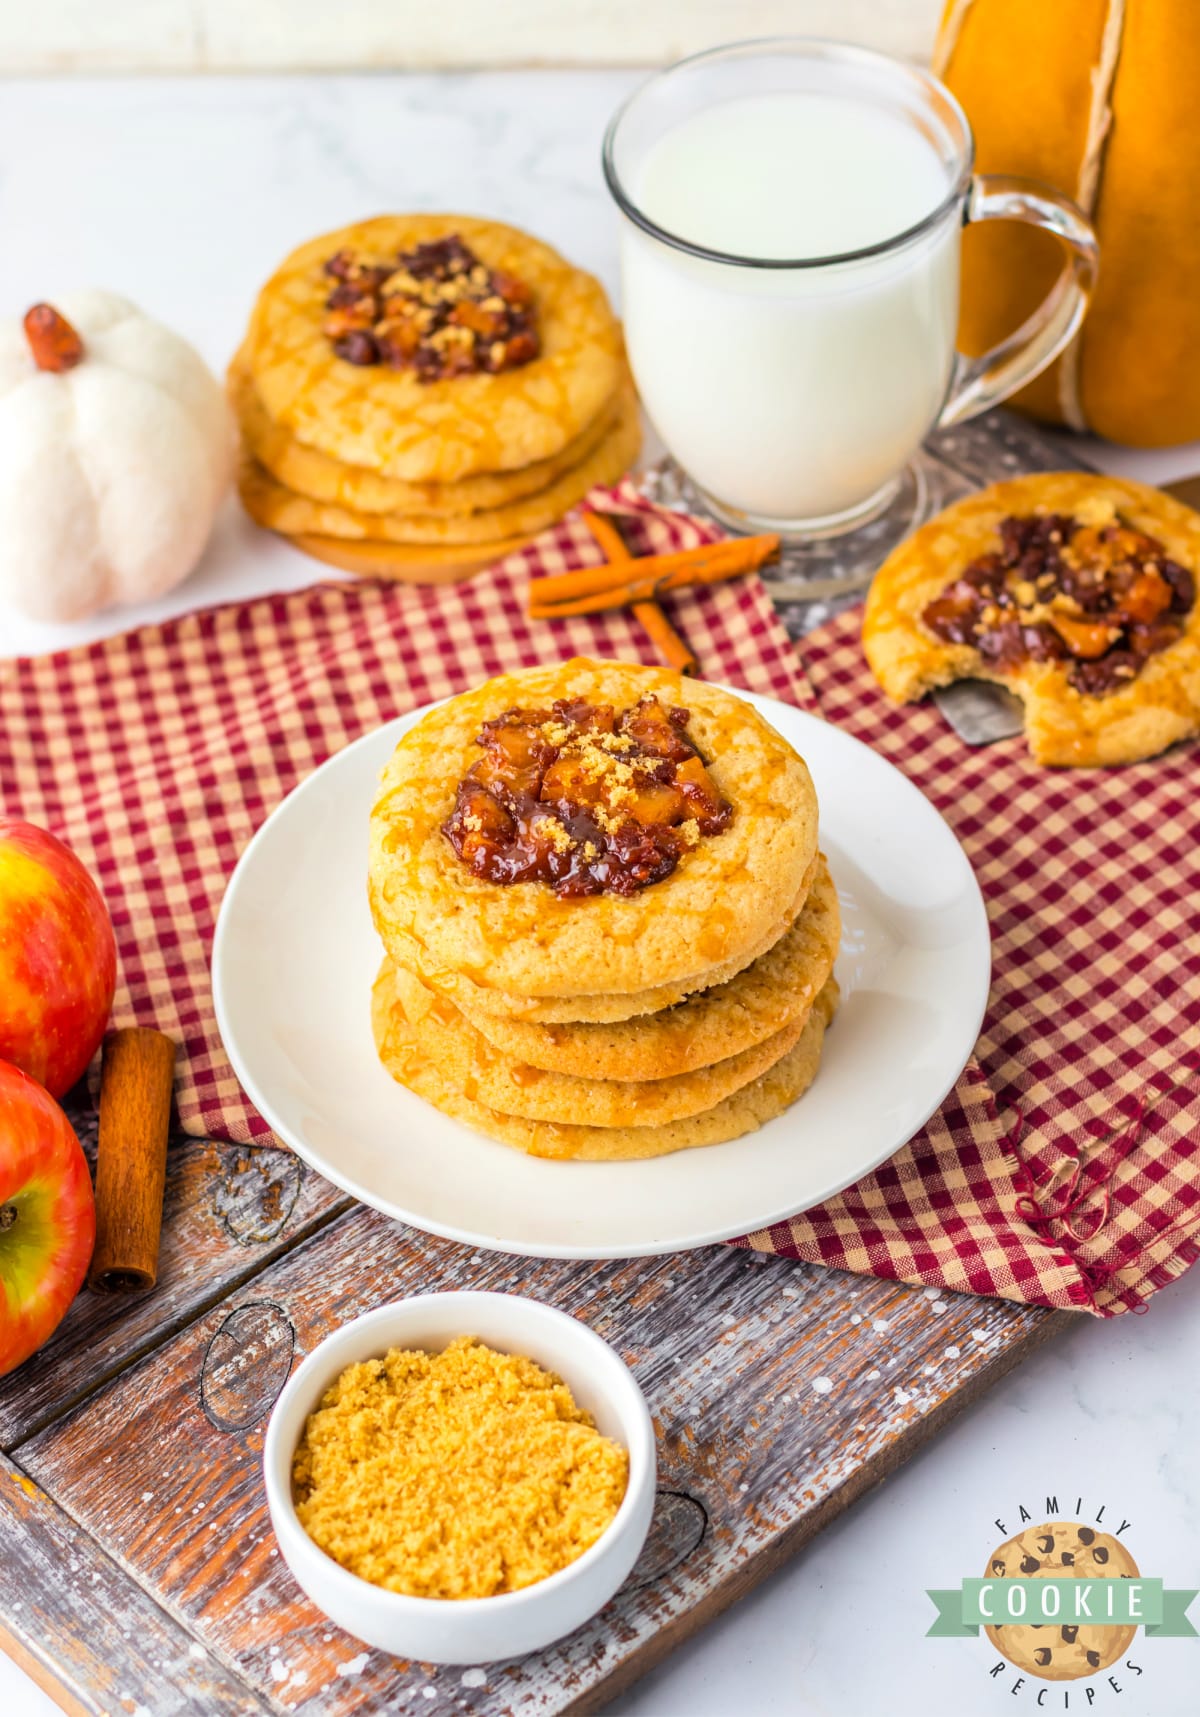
58,959
47,1216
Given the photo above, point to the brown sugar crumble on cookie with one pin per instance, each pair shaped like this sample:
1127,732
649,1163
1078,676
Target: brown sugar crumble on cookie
1089,590
583,798
436,309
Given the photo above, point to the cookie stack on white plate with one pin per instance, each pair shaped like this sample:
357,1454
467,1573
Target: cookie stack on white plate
608,930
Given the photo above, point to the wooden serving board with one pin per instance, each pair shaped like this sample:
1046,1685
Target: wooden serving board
138,1571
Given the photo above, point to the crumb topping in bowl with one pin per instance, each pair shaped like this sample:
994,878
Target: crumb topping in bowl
460,1474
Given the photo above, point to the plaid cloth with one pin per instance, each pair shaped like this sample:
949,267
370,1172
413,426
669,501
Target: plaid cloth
157,754
1091,1042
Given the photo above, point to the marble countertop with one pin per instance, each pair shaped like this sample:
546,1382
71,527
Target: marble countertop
184,194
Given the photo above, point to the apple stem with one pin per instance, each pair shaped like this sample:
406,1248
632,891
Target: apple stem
8,1215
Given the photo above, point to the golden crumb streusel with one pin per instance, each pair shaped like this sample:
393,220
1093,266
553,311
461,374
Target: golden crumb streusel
454,1475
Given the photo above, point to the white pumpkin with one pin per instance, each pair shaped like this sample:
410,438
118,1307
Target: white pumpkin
112,462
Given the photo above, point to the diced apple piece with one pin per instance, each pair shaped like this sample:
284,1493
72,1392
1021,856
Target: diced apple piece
701,799
1085,638
651,728
567,781
654,803
1147,597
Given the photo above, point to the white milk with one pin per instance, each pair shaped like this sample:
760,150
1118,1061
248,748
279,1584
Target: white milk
791,394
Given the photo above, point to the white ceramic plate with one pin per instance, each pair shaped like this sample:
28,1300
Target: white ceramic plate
295,956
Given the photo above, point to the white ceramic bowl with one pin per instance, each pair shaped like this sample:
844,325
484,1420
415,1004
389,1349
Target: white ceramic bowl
469,1630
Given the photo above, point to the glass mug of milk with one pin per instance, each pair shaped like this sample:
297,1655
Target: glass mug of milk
791,212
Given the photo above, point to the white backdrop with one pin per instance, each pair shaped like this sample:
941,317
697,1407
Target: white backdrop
233,35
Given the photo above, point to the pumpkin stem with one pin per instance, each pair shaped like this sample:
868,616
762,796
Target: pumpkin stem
52,340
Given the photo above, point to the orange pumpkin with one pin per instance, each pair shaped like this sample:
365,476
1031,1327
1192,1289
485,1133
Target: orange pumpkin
1100,99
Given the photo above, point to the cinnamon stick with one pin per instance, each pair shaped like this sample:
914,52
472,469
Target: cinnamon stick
671,646
616,586
609,539
667,641
131,1159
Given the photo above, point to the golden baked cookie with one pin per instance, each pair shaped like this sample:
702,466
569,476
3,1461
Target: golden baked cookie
472,1065
386,419
409,563
481,998
1075,591
269,503
307,472
711,1025
689,901
1062,1549
764,1098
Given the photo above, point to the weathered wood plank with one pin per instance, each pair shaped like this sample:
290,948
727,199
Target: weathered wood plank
88,1633
779,1392
228,1210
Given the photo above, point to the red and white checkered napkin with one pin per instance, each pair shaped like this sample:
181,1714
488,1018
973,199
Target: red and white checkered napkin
1091,1043
157,754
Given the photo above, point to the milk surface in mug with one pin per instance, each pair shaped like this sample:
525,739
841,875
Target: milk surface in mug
792,393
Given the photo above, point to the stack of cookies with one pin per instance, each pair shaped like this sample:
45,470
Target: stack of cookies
608,931
419,395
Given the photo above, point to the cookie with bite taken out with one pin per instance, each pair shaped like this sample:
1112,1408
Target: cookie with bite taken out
1075,591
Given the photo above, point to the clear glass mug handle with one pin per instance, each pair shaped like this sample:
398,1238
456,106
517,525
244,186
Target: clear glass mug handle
979,383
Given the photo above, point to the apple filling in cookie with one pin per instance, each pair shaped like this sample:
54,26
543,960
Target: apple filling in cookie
1097,594
584,798
436,309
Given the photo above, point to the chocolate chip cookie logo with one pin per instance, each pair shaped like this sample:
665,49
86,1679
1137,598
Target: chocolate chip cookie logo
1061,1601
1060,1650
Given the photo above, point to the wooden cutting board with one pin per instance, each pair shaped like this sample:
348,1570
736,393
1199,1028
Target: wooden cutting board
139,1572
